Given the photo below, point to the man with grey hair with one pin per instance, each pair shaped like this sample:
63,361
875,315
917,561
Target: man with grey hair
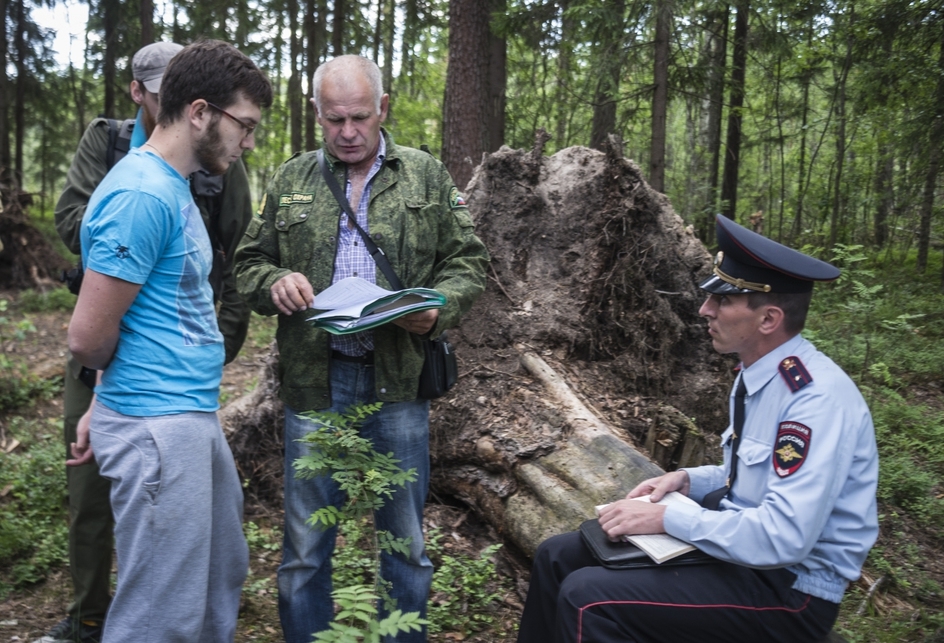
300,244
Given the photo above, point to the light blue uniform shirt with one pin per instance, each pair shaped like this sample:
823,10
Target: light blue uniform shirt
816,517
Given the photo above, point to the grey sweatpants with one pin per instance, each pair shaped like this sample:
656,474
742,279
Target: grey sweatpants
178,506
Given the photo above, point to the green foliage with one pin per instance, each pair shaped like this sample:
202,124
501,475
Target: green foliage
18,386
33,534
462,589
269,540
368,478
32,301
261,330
357,620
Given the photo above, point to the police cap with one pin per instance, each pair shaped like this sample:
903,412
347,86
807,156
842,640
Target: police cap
749,262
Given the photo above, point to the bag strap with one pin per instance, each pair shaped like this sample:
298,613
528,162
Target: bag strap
112,140
119,140
375,252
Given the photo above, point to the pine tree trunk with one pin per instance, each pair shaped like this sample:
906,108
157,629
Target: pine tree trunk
563,110
5,155
834,222
660,95
732,157
19,109
936,140
609,58
314,39
465,107
295,103
109,73
389,37
337,33
718,52
146,17
497,80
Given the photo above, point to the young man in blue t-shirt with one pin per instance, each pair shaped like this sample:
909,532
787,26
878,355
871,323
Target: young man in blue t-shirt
145,319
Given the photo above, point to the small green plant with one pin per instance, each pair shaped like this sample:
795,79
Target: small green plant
33,533
261,330
265,539
368,478
462,599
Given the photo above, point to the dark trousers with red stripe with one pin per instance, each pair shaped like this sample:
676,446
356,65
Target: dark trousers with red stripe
572,599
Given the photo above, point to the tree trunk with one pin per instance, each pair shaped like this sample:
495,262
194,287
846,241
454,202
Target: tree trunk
732,157
314,40
337,34
6,157
109,74
497,80
841,133
660,95
146,16
411,31
935,141
295,103
585,347
564,54
719,56
806,78
389,37
466,106
19,110
610,59
885,167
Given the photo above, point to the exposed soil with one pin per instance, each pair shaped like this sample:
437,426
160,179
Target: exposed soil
28,613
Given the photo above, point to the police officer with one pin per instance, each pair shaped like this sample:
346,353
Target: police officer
789,517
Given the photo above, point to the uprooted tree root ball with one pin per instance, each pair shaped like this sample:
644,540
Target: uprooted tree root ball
585,347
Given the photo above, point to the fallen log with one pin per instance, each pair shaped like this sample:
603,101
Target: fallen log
585,350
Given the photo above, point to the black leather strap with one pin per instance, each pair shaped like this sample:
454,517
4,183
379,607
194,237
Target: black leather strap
375,252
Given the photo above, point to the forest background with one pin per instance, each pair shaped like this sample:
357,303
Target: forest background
820,124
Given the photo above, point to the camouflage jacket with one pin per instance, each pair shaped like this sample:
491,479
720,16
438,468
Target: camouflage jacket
416,216
89,167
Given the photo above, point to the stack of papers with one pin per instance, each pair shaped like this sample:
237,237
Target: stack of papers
660,547
353,305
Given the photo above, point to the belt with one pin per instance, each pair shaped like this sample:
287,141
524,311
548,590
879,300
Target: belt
366,358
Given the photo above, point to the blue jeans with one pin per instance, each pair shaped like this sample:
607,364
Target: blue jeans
305,604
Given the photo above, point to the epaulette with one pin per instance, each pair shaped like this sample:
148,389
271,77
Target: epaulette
794,373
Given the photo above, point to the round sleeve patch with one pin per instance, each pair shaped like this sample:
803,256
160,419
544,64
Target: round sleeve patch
791,448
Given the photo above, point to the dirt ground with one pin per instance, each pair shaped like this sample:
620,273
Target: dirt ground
28,613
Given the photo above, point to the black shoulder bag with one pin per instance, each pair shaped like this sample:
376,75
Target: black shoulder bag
440,370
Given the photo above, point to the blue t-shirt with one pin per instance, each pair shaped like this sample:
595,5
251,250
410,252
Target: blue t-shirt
143,227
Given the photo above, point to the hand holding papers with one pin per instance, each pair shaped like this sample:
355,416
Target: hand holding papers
660,547
353,305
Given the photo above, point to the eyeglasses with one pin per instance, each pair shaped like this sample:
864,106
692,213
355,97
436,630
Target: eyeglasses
248,128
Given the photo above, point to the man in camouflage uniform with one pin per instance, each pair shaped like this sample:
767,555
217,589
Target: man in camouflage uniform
226,217
300,244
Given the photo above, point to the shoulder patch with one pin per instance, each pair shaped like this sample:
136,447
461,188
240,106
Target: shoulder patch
794,373
455,198
791,447
286,200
